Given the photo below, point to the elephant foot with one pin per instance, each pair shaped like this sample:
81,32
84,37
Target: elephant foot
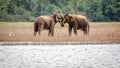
35,34
69,34
75,34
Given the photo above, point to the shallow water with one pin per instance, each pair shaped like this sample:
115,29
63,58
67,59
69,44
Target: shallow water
60,56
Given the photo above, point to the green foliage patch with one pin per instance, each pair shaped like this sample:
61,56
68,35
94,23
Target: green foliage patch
29,10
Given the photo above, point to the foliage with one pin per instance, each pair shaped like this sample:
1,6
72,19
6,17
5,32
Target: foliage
28,10
51,9
95,11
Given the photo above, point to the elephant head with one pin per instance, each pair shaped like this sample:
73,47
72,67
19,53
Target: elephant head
58,18
68,18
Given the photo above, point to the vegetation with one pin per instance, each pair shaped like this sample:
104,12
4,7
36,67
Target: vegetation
29,10
100,33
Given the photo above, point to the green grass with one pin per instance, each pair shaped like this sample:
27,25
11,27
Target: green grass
15,25
104,24
23,25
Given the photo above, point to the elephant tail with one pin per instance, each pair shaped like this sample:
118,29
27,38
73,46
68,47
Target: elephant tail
88,27
35,27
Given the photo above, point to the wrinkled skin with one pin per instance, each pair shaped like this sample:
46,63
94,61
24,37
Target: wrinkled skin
48,23
76,22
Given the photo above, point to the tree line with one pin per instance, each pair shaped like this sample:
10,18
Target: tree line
29,10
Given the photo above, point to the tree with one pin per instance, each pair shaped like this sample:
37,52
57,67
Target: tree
95,11
111,10
52,9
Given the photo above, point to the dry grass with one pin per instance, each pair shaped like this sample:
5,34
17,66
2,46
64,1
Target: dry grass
23,32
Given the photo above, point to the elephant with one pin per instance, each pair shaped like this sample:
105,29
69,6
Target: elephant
76,22
47,23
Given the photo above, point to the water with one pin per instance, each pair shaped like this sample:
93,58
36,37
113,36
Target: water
60,56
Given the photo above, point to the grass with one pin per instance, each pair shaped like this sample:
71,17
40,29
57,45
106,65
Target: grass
25,25
23,31
19,25
22,25
15,25
104,24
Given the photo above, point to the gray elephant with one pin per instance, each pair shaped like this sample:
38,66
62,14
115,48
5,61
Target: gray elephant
76,22
48,23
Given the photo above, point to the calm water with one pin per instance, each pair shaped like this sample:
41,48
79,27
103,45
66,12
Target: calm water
60,56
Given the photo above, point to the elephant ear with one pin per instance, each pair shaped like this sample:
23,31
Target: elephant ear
61,17
55,17
71,19
69,15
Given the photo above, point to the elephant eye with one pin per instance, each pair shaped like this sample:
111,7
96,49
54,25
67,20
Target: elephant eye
58,17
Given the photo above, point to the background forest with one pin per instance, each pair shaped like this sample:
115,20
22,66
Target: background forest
29,10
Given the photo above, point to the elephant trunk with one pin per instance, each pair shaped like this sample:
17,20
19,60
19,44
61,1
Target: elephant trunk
62,24
64,21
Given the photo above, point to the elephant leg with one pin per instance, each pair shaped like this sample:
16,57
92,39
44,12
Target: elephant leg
85,31
49,32
70,30
40,29
75,31
35,28
52,32
35,32
39,32
52,29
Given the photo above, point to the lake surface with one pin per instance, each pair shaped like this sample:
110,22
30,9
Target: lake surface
60,56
